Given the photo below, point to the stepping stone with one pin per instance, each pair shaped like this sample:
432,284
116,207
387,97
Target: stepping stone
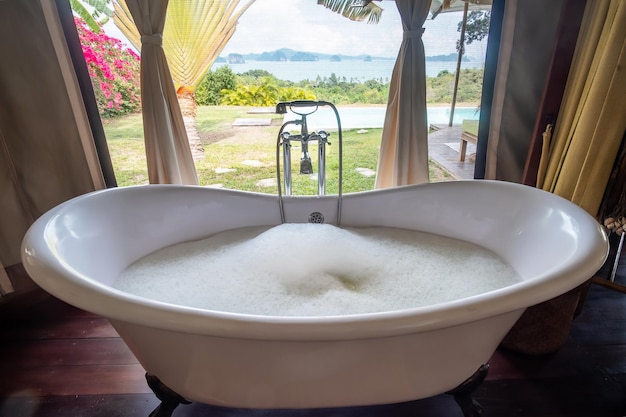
262,110
268,182
366,172
252,163
223,170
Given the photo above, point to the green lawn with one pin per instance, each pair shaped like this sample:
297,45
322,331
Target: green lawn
244,158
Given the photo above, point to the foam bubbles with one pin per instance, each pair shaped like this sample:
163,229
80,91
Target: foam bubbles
316,270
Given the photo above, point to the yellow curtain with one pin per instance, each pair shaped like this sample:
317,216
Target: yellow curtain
592,119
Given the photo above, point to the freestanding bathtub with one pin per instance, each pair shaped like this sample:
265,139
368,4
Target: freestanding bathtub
76,250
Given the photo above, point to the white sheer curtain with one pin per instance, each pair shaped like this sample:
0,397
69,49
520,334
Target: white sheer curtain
403,155
167,147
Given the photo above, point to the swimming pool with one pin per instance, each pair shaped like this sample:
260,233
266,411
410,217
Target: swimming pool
374,117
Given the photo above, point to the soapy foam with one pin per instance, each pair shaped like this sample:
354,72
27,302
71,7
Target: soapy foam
316,270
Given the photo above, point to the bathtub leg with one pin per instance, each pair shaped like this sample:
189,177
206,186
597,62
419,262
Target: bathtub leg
463,393
169,399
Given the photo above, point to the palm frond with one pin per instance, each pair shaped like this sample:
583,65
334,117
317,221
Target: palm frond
357,10
85,14
99,7
125,23
195,33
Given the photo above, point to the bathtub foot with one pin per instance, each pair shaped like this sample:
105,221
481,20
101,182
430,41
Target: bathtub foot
463,393
169,399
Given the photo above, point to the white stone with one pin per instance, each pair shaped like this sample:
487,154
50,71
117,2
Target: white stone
267,182
366,172
252,163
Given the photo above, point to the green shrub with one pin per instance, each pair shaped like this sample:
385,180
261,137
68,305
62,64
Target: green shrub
261,88
439,89
208,92
263,91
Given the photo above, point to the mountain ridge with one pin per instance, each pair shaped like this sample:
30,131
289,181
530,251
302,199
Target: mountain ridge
287,54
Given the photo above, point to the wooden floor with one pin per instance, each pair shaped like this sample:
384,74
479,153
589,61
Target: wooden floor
443,148
69,363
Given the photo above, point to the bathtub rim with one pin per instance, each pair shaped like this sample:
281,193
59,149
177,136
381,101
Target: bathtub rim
60,280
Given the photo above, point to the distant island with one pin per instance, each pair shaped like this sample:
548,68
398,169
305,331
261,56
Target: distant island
286,54
236,59
449,57
304,56
277,56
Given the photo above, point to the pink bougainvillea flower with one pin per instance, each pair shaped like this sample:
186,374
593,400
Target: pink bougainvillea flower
114,71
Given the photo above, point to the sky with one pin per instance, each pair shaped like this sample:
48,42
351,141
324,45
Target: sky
303,25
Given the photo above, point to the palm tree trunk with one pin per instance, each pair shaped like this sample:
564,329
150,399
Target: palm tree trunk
188,108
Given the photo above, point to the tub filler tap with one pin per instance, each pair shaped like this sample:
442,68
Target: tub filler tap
303,109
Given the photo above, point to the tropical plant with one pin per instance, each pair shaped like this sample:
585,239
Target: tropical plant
114,71
195,32
476,27
357,10
251,95
264,93
209,91
94,13
295,93
439,89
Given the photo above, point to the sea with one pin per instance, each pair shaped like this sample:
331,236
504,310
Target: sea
353,70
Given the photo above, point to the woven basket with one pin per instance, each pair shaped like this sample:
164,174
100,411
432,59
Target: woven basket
544,328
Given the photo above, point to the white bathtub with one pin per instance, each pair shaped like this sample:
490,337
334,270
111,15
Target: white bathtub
76,251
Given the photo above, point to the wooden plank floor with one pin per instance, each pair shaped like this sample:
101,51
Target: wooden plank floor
443,148
70,363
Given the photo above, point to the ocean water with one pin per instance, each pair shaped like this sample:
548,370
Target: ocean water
357,70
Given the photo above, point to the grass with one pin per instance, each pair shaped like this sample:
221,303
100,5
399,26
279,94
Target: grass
244,158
